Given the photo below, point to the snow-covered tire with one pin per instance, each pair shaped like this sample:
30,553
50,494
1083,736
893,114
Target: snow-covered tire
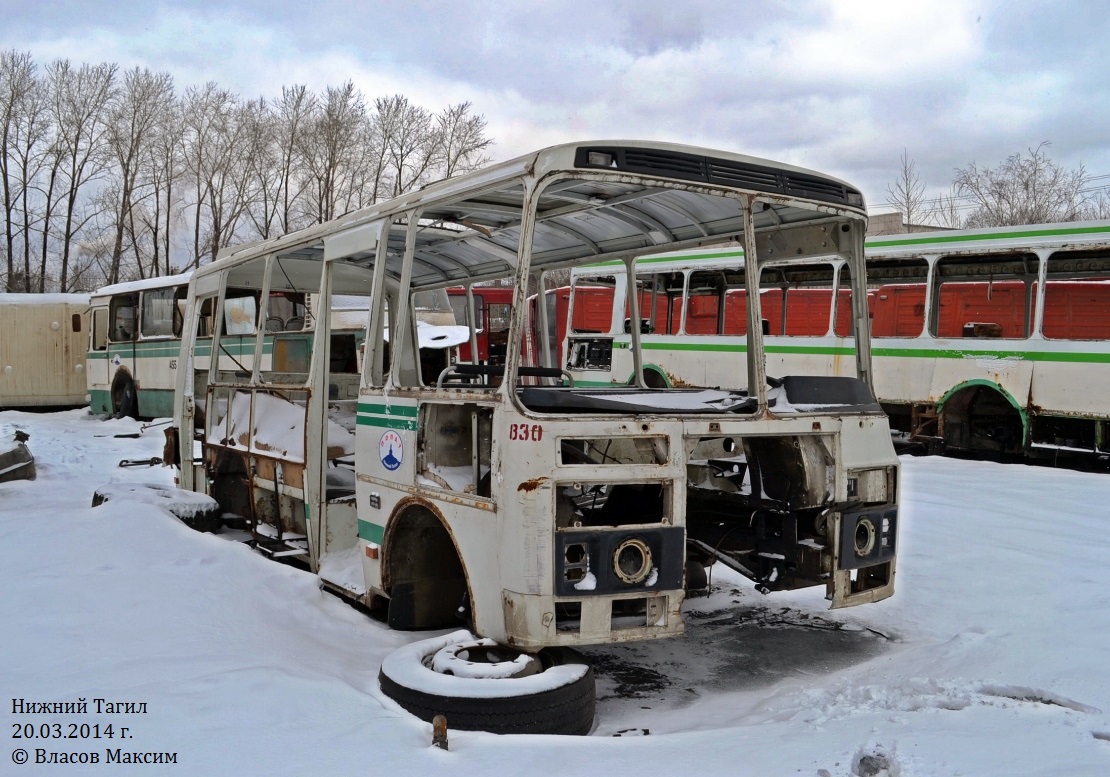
478,685
198,511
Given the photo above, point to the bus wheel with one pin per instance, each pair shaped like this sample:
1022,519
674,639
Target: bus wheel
478,685
125,401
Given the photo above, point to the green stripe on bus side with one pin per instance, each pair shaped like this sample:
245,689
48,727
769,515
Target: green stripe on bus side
171,348
148,351
405,411
962,238
914,353
1032,356
234,349
370,532
816,350
388,416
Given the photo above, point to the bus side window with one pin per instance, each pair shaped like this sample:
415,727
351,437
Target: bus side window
180,299
157,313
204,320
123,316
100,329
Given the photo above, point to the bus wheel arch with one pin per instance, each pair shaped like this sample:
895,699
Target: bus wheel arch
422,570
981,415
125,397
654,377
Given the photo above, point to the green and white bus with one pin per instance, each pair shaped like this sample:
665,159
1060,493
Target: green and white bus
135,340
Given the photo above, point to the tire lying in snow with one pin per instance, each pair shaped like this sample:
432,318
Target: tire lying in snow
16,463
198,511
479,685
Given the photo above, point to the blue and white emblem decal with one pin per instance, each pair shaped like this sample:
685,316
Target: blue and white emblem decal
391,450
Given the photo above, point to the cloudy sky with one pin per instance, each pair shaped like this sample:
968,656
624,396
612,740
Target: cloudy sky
841,87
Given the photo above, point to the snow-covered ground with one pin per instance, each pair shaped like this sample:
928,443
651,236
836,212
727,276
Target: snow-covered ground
993,658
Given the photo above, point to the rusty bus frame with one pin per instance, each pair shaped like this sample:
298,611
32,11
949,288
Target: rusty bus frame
542,513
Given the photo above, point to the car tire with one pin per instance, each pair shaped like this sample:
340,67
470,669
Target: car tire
478,685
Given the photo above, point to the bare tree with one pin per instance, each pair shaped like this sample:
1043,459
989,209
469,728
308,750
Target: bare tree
332,151
411,151
17,84
1025,189
80,106
218,162
1098,206
100,172
264,177
907,193
379,127
229,190
31,149
461,138
163,167
293,112
133,124
945,210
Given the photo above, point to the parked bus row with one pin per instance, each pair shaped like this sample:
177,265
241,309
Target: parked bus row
969,354
989,341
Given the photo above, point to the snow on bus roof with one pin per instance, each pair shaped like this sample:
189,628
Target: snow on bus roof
157,282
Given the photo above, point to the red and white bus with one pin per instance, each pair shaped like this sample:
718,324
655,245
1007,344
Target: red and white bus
985,341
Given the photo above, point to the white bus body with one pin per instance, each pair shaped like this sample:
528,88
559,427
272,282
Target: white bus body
135,339
133,343
546,514
996,341
991,341
42,350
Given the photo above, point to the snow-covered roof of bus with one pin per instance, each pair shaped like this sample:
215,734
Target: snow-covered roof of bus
598,200
1030,236
158,282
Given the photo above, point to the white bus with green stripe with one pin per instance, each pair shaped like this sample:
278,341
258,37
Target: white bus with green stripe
510,498
984,341
135,340
996,341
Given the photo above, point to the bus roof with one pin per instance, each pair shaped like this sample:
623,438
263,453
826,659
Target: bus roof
596,202
1028,236
157,282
